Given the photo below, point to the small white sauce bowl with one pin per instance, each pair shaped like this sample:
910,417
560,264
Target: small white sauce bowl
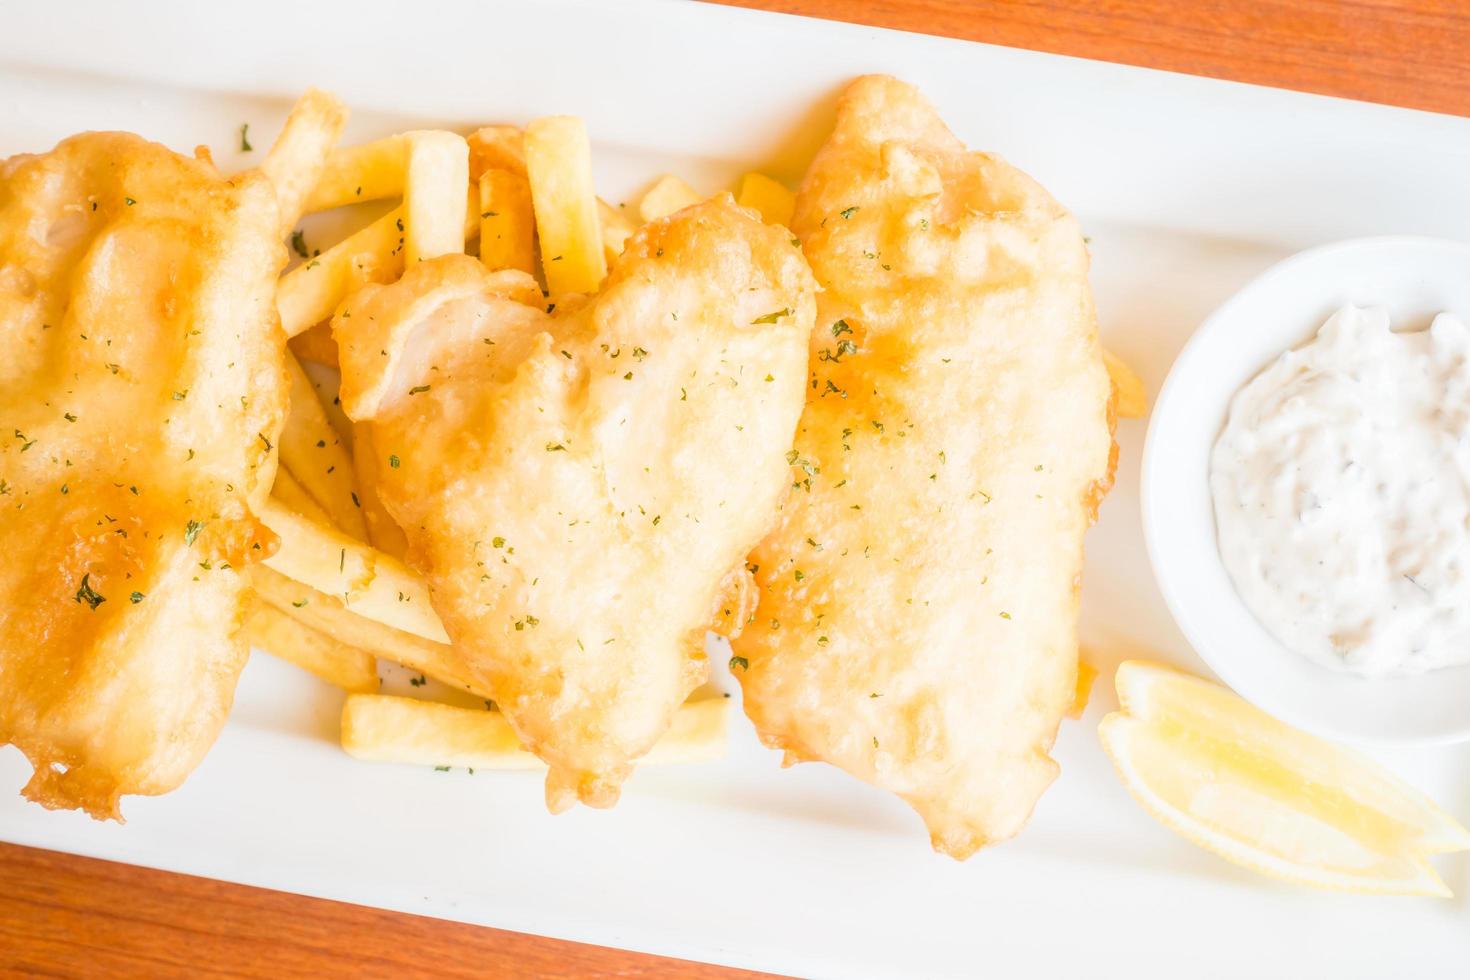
1413,278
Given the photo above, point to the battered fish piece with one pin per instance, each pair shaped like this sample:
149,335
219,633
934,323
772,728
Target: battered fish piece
141,393
918,598
580,489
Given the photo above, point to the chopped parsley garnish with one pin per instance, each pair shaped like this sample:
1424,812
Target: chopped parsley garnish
441,768
418,389
840,327
129,201
300,603
181,395
89,595
497,542
136,598
555,447
393,462
245,146
191,531
418,681
772,317
740,662
848,212
298,244
69,417
262,438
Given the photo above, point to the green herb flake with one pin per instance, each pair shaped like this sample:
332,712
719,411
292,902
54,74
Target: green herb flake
848,212
393,462
89,595
419,389
191,531
136,598
245,146
739,662
772,317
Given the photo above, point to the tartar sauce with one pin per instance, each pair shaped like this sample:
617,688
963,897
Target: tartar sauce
1342,495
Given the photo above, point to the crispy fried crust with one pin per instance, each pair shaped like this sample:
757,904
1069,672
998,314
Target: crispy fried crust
142,383
576,487
919,597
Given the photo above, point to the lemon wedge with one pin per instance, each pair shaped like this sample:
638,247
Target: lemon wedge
1236,781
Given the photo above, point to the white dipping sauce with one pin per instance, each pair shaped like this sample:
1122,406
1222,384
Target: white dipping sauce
1342,495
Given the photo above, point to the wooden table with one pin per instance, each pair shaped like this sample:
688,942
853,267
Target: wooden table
61,914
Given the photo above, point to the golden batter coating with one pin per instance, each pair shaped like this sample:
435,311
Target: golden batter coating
142,388
577,486
918,598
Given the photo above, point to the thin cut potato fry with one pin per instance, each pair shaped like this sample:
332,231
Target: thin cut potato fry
503,148
615,229
294,495
383,531
367,172
383,728
497,148
299,155
326,614
316,345
370,583
774,202
1132,397
668,195
271,630
311,292
507,226
438,167
559,167
1086,674
315,456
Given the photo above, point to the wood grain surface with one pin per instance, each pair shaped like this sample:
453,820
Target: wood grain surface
68,916
1412,53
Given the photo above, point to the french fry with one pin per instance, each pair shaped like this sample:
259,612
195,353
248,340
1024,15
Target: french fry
315,456
507,225
369,582
774,202
668,195
433,209
271,630
311,292
299,155
615,229
315,344
383,728
497,148
294,496
503,148
383,531
367,172
326,614
1086,674
559,168
1132,397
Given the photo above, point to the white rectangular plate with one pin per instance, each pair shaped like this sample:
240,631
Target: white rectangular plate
1187,187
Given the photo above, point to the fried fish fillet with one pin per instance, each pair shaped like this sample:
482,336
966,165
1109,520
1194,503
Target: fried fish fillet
918,597
141,394
579,489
